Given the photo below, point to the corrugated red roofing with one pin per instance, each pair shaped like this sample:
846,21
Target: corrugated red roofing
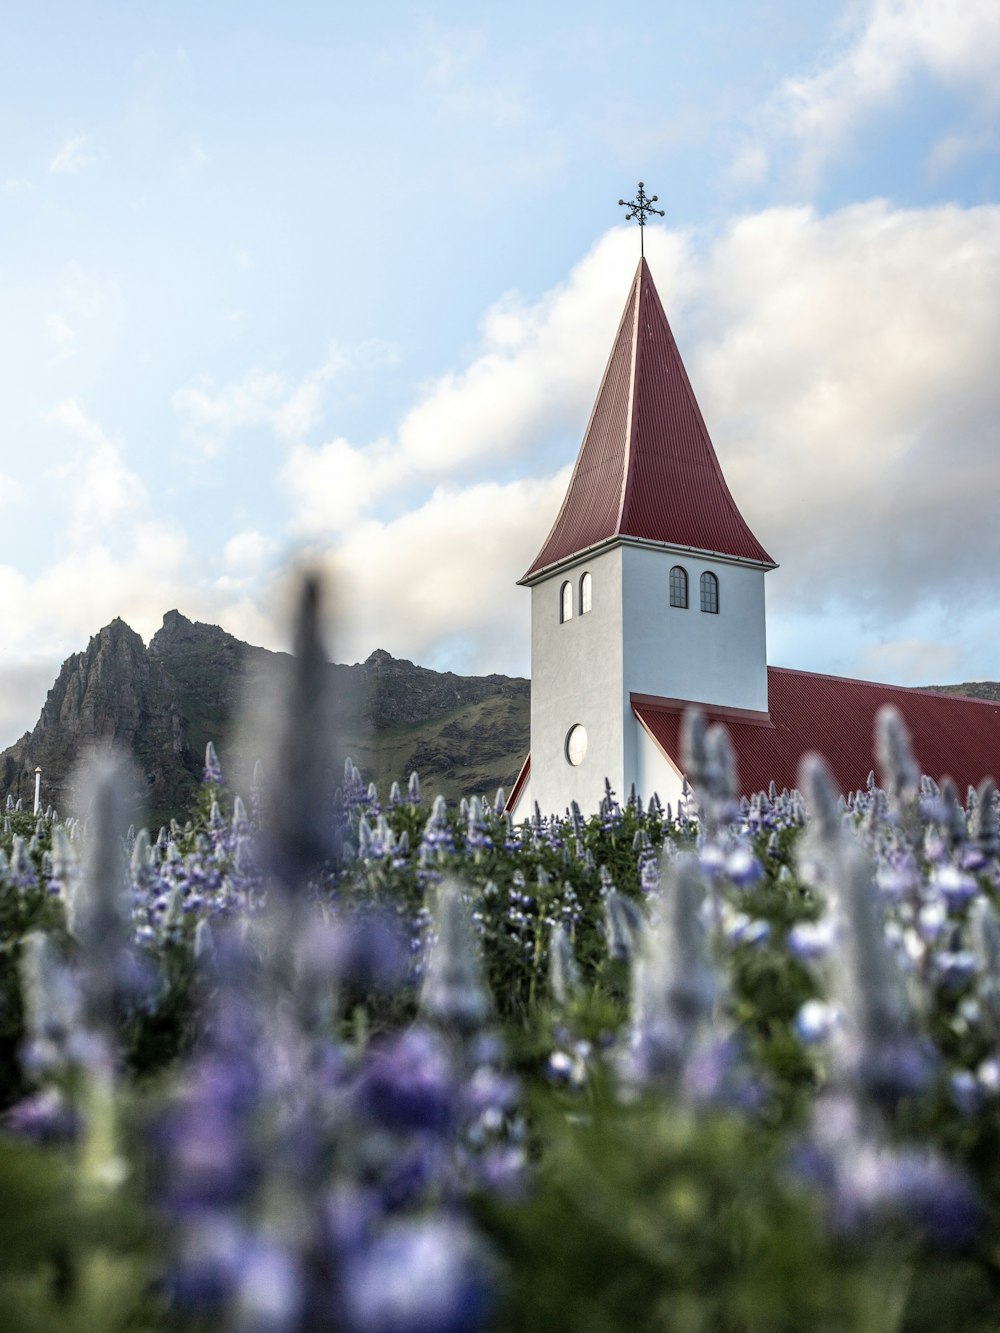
647,467
836,716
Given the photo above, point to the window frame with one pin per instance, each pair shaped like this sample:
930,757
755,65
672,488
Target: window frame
681,589
709,589
586,592
566,601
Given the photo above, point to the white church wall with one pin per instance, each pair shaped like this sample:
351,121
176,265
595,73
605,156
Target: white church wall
524,805
576,678
653,771
689,653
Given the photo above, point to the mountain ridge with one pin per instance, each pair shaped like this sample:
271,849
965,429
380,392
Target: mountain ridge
162,703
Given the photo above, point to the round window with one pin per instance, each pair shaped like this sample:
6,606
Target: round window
576,745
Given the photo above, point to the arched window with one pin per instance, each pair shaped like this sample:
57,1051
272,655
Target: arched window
566,602
678,586
586,593
710,593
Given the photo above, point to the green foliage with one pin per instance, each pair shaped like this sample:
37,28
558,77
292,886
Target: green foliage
647,1217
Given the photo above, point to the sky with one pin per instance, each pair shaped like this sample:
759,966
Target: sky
332,284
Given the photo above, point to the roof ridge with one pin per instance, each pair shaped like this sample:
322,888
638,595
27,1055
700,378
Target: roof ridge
886,685
632,387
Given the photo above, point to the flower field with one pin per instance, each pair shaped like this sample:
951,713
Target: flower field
331,1058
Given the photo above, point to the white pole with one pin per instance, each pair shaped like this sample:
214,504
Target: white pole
38,789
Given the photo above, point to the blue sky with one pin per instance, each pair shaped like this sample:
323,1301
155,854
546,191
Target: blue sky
309,279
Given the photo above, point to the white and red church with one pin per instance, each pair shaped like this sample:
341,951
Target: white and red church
647,596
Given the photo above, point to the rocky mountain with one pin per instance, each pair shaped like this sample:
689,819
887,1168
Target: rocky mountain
972,689
161,704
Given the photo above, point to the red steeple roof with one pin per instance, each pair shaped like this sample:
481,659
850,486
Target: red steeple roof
647,468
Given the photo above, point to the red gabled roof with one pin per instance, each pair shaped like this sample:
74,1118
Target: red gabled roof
647,467
950,734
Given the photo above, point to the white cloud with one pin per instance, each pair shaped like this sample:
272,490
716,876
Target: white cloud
466,75
750,166
11,491
911,662
72,156
16,185
247,552
438,583
847,372
533,376
103,488
210,414
955,42
61,333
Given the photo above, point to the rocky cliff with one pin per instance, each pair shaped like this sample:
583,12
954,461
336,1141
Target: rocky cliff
463,734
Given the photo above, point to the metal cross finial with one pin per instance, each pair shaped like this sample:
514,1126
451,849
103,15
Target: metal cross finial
638,208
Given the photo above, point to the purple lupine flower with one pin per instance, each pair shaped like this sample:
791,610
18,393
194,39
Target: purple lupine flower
99,916
212,775
430,1275
206,1135
21,871
899,769
623,923
437,838
300,836
954,885
477,838
739,928
717,1074
815,1022
44,1117
810,940
912,1186
204,1273
879,1050
268,1288
966,1092
408,1085
454,993
362,952
673,984
741,866
564,974
984,825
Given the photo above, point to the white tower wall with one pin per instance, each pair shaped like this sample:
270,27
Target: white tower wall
576,677
633,641
689,653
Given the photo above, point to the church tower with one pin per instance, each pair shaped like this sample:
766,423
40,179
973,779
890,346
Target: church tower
650,584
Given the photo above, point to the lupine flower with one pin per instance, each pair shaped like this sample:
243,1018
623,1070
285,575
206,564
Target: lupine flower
673,985
564,974
917,1188
99,910
53,1005
623,923
213,769
986,947
419,1276
895,755
299,835
454,994
880,1051
408,1084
